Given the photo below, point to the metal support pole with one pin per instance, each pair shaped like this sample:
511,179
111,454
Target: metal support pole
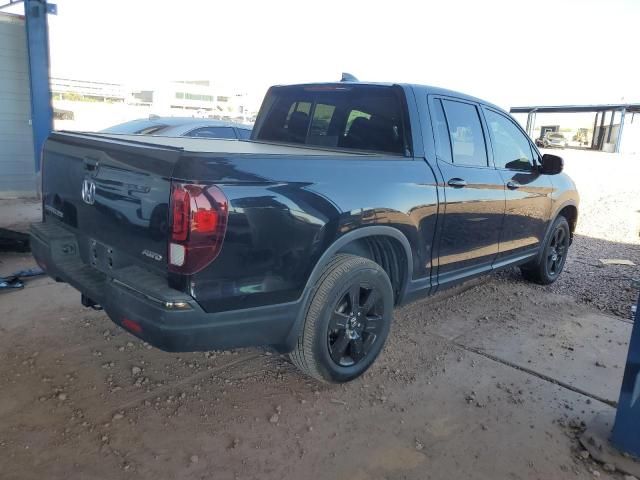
532,126
38,52
593,136
600,131
531,122
625,435
619,139
613,116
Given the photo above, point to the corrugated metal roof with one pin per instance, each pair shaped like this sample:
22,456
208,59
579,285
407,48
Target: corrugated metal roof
629,107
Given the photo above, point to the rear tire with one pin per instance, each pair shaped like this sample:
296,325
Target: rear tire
347,320
548,267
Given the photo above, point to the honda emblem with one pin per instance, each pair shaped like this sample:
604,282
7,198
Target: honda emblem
88,191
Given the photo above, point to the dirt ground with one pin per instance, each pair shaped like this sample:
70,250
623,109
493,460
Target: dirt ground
608,228
491,381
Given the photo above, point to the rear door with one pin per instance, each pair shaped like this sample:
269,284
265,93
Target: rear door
474,201
113,195
528,193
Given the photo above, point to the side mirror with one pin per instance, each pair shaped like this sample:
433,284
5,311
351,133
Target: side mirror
551,164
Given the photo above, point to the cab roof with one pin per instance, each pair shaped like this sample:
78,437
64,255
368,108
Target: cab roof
417,88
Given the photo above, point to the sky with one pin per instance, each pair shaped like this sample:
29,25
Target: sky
518,52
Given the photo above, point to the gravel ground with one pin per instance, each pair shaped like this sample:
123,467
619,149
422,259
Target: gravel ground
608,227
82,399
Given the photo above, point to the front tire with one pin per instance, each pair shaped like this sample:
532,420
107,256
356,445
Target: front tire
347,320
547,268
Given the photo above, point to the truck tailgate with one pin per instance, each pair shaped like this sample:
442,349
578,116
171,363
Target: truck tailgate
113,194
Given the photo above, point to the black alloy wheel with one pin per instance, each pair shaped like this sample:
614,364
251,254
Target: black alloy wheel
347,320
355,324
557,251
548,265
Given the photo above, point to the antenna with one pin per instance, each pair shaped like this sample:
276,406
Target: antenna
347,77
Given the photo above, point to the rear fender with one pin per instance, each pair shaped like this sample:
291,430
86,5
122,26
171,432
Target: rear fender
340,243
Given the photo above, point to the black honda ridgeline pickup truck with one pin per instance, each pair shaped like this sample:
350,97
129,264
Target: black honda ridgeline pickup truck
349,199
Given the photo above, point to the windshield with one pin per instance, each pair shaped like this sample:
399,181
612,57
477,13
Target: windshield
359,117
557,136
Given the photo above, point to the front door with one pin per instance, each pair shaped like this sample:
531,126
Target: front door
528,192
474,193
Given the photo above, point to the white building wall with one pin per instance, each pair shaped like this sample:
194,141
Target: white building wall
17,163
631,134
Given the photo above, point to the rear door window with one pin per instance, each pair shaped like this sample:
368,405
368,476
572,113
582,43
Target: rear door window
359,117
443,143
465,131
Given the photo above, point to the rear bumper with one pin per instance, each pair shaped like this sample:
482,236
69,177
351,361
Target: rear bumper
142,297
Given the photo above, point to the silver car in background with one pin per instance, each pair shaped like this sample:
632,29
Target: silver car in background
554,139
182,127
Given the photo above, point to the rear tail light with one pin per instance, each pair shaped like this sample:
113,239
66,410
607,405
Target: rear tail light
199,222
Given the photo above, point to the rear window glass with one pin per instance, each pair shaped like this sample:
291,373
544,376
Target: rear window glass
322,116
353,115
359,117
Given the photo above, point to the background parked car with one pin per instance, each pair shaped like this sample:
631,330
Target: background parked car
182,127
552,139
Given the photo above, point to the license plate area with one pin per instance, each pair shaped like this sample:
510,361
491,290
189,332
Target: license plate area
103,257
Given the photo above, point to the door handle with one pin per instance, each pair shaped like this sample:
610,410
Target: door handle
457,183
511,185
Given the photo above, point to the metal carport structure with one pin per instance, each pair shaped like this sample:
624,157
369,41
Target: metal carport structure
599,124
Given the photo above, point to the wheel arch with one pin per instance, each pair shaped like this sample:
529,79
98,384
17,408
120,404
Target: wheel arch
353,242
386,246
568,210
